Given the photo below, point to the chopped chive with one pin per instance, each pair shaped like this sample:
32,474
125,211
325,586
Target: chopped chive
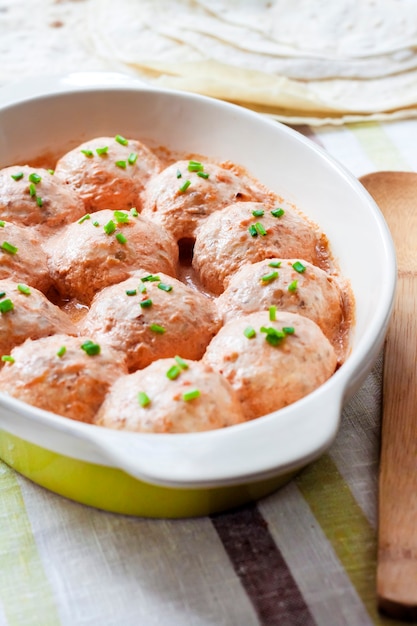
179,175
95,223
277,212
51,172
121,140
32,190
150,278
24,289
90,347
121,164
131,292
2,294
61,351
34,178
249,332
6,306
273,313
299,267
109,228
195,166
185,186
252,230
102,151
132,158
293,286
88,153
183,364
17,176
145,304
2,223
165,287
260,229
84,218
121,238
272,335
258,213
134,211
143,399
39,201
8,247
191,395
275,263
121,217
142,288
268,277
173,372
157,329
288,330
7,358
203,175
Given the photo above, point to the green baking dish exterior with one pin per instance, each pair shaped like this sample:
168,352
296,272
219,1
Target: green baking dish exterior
113,490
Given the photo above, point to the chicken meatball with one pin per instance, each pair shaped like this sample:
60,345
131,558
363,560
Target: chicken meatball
290,285
26,313
271,364
101,249
247,232
108,172
180,199
171,396
22,257
34,197
67,375
151,317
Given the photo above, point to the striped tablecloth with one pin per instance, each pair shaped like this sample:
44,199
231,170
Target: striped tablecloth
302,556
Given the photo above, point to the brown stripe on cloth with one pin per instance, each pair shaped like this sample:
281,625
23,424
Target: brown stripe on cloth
261,568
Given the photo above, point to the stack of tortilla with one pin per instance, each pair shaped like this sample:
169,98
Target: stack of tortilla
296,60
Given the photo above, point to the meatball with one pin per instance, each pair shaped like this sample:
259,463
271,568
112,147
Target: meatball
101,249
151,317
181,208
171,396
34,197
249,232
108,172
289,284
271,364
22,257
67,375
26,313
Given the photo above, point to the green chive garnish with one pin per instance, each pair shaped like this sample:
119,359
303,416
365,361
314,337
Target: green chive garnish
151,278
252,230
109,228
273,313
2,224
191,395
17,176
121,238
164,287
121,217
132,158
96,224
51,172
2,294
34,178
142,288
195,166
131,292
293,286
268,277
7,358
39,201
258,213
32,190
203,175
121,140
121,164
145,304
288,330
275,263
179,175
102,151
24,289
143,399
157,329
90,348
173,372
6,306
272,335
185,186
134,212
84,218
61,351
277,212
249,332
88,153
8,247
299,267
183,364
260,229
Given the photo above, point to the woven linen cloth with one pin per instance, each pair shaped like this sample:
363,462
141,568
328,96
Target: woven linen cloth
302,556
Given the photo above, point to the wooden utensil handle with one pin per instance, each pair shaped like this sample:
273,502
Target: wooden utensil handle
397,556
